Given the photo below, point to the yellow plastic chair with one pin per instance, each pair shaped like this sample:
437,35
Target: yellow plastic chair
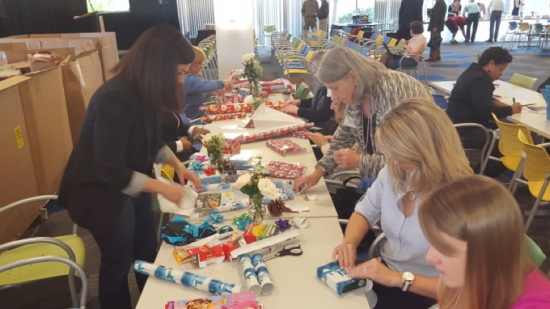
523,81
69,246
537,172
392,43
510,147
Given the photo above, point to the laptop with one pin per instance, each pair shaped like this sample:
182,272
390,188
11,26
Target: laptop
396,53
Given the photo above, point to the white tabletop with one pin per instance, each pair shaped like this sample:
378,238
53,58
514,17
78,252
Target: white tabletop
536,122
296,284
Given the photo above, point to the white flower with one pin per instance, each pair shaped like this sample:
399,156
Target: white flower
267,188
248,57
241,182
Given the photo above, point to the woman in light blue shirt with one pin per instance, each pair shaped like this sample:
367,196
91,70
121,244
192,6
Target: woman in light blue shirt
195,87
422,150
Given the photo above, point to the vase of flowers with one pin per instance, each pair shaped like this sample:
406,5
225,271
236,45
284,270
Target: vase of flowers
253,72
256,103
256,186
214,146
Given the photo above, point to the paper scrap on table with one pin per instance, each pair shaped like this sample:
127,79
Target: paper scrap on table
298,208
311,197
300,223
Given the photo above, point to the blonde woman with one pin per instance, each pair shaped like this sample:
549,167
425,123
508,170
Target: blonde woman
422,151
369,91
195,87
476,232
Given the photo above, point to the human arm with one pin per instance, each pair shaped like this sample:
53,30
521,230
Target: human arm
344,139
194,83
318,139
516,107
481,96
319,115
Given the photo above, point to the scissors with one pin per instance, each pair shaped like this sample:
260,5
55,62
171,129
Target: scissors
295,250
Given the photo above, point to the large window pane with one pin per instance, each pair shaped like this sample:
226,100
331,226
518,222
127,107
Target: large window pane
108,5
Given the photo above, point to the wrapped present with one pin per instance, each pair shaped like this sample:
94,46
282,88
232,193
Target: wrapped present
289,131
286,170
275,105
284,146
213,109
300,134
208,176
338,279
233,141
207,255
214,200
209,118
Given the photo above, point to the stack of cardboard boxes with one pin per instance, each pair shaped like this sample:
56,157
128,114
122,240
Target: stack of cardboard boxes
41,114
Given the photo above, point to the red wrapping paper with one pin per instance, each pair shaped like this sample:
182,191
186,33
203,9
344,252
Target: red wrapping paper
275,105
214,109
222,117
284,146
290,131
286,170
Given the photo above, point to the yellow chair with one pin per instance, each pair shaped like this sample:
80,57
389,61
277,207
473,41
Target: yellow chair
523,81
537,172
69,246
510,147
167,172
392,43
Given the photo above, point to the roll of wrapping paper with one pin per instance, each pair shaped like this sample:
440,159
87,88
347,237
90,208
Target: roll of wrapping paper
214,109
186,278
275,105
300,134
250,276
227,186
223,117
276,133
240,204
263,274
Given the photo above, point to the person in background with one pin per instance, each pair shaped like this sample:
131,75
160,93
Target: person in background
195,87
472,101
310,9
369,91
178,135
316,109
495,7
323,15
477,237
437,22
107,182
473,13
517,5
454,14
422,151
415,46
409,11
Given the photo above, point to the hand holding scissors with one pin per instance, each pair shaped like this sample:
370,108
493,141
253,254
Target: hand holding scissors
295,250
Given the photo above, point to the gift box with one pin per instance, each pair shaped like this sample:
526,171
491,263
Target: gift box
208,176
227,248
260,231
234,141
207,255
284,146
286,170
209,118
339,280
243,161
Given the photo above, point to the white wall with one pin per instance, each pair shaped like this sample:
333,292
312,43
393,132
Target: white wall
234,36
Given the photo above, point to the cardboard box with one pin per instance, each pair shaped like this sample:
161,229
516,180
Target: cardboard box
104,42
46,118
17,179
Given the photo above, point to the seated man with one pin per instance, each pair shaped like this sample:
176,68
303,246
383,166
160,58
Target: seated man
415,46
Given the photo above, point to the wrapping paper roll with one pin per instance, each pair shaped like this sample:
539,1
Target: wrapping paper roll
263,274
240,204
252,281
208,118
290,131
186,278
214,109
275,105
283,194
227,186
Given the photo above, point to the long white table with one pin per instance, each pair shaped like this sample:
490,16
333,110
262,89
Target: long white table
296,284
536,122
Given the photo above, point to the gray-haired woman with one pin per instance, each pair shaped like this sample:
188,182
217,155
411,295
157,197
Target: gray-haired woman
370,91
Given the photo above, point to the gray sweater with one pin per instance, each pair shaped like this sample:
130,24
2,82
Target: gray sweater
393,88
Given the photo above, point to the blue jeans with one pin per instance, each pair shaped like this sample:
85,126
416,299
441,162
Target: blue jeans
135,239
495,18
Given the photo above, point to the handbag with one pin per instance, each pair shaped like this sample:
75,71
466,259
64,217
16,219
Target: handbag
435,41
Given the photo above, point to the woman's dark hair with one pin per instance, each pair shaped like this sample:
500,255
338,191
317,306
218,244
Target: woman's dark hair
498,54
417,27
152,66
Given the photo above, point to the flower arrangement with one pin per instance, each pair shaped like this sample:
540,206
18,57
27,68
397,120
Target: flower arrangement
214,145
256,186
256,103
252,71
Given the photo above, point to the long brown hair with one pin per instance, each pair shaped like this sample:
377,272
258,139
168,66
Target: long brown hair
152,66
484,214
419,133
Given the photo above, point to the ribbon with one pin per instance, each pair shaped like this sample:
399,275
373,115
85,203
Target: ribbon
283,225
214,218
242,221
196,166
201,158
209,171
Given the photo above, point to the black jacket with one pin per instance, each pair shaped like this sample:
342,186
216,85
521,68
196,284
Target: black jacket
409,11
323,11
172,131
121,134
439,13
317,109
471,99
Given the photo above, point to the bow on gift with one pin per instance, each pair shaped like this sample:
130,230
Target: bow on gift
214,218
201,158
283,225
196,165
209,171
242,221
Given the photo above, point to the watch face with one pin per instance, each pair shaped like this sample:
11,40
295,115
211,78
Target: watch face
408,276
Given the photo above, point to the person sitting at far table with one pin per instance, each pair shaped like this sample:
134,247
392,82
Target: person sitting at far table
415,46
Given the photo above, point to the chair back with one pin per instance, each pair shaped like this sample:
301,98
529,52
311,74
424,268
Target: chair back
300,91
374,36
358,48
523,81
537,161
400,45
386,40
535,252
347,44
509,143
295,42
352,45
524,27
379,38
300,46
364,51
342,41
512,25
392,42
360,33
309,55
269,28
538,28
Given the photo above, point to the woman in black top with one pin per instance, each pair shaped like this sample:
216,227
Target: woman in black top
471,100
179,135
316,109
107,180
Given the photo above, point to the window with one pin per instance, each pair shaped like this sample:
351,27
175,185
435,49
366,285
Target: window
345,9
108,5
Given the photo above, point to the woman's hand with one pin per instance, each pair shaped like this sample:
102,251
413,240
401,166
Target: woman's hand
304,183
186,144
291,102
377,272
347,158
317,138
516,108
228,85
172,193
291,109
345,254
184,173
199,132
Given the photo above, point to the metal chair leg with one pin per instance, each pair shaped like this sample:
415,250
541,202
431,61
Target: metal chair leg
536,205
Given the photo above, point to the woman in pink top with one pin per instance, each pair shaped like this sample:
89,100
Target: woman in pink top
415,46
476,233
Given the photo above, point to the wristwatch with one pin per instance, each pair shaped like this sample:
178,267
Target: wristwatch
407,278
